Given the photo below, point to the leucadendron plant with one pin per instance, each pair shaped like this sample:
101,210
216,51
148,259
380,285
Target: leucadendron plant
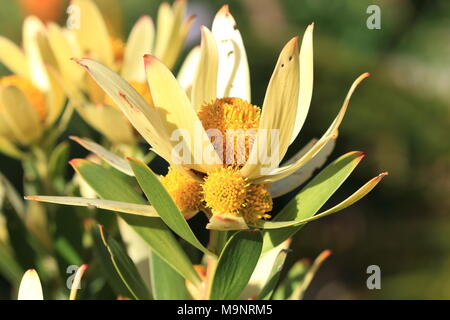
87,35
231,179
33,116
31,99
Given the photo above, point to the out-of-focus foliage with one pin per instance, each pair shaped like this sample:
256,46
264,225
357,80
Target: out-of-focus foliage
400,118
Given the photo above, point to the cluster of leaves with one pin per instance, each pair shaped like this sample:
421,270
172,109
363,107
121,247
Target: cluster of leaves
172,245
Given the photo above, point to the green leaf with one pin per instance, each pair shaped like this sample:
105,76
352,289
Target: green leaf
58,160
235,265
356,196
109,266
110,186
8,148
68,235
312,197
21,240
118,206
269,287
163,203
293,279
299,291
12,196
121,272
9,268
167,284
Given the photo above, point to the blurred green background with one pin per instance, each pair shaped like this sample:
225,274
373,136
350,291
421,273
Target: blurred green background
399,117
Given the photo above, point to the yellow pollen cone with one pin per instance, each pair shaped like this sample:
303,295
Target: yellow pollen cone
226,192
185,191
236,117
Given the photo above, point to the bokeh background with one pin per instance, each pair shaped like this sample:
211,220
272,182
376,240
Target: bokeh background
399,116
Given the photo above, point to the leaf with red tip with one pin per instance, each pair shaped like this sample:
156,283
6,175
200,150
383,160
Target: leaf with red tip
145,118
359,194
179,117
114,160
111,185
117,206
120,270
224,223
300,290
163,203
311,198
331,133
76,284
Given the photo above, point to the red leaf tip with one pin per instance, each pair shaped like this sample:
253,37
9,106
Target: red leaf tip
84,266
76,161
326,253
224,10
148,59
361,154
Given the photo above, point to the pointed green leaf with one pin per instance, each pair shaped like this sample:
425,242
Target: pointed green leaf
269,287
312,197
299,291
163,203
58,165
9,268
292,280
121,271
118,206
356,196
110,186
167,284
235,265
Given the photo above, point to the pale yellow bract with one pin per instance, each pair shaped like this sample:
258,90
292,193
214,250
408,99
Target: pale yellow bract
31,289
31,99
221,71
90,37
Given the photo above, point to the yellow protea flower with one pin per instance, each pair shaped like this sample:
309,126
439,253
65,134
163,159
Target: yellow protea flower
89,37
30,99
185,121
